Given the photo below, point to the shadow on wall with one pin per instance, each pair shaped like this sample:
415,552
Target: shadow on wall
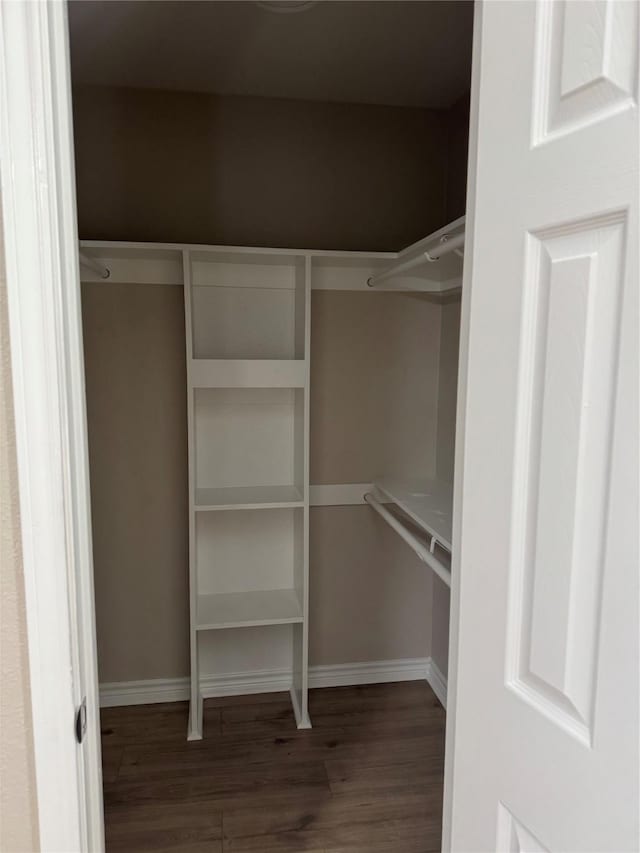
183,167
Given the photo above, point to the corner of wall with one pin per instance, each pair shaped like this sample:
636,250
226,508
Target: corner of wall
457,156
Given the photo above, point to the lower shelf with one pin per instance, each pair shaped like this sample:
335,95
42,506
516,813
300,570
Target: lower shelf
247,497
248,609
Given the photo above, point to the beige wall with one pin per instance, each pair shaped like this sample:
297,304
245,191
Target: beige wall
137,409
18,808
370,597
374,385
196,168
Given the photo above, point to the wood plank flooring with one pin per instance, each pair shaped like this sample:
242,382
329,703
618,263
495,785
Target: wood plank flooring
366,779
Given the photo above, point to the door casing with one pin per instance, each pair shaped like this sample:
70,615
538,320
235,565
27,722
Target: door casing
43,290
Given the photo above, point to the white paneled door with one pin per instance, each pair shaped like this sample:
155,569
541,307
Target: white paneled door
545,721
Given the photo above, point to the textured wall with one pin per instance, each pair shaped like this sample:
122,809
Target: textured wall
18,807
196,168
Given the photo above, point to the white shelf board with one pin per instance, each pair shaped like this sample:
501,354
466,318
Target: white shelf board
247,497
247,373
428,502
437,276
248,609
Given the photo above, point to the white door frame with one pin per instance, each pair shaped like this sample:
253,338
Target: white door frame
43,284
461,407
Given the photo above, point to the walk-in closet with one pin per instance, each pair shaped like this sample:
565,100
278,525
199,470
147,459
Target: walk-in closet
319,393
271,204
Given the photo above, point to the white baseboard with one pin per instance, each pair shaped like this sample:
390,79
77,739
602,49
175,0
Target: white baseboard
273,681
149,692
437,681
368,672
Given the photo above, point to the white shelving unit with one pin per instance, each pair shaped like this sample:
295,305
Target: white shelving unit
247,323
247,328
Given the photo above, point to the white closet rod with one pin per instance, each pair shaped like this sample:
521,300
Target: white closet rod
424,553
93,264
448,244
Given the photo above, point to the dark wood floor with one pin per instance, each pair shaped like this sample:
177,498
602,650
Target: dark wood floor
366,779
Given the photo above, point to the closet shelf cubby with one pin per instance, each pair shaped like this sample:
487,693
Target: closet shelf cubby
248,446
247,319
248,609
248,306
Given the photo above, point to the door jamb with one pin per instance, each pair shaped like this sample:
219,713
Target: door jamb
458,561
43,290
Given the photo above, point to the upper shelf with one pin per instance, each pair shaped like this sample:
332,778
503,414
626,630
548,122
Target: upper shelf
435,262
270,276
428,502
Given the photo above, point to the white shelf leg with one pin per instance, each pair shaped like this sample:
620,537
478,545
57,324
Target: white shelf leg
299,688
300,681
194,731
302,717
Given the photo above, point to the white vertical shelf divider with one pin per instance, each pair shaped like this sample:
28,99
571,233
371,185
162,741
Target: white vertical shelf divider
194,731
247,317
300,685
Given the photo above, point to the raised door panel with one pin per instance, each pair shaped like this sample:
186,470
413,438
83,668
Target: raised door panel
587,63
573,288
